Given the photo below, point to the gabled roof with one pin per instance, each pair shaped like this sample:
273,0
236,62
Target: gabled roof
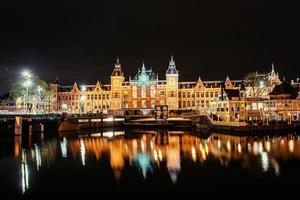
186,85
148,72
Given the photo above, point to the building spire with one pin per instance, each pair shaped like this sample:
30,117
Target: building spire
199,79
118,65
118,61
172,67
273,71
143,67
117,70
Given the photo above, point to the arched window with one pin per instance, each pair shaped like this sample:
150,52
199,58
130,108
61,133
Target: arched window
144,91
134,91
144,104
152,91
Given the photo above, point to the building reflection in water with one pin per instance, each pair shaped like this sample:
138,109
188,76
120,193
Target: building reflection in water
173,158
151,150
117,157
144,163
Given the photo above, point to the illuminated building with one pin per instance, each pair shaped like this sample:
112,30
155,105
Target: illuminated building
173,158
143,91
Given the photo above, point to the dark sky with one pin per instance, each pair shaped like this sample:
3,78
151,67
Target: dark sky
79,40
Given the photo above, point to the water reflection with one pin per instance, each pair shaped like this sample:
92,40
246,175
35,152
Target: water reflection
149,152
24,172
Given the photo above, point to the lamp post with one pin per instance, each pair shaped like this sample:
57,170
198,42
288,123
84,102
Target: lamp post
39,90
26,84
27,75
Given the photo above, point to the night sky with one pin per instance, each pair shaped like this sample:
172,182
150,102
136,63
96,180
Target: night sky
80,40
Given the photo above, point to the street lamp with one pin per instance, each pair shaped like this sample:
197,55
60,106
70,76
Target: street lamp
27,75
26,84
39,91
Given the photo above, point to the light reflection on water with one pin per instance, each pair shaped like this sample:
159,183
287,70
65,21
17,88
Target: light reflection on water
148,152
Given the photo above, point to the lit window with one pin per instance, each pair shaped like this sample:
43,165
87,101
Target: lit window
143,91
152,91
144,104
134,91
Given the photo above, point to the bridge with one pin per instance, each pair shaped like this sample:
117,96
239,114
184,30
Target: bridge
19,124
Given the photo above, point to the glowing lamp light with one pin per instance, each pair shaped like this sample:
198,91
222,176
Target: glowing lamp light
26,74
108,134
261,83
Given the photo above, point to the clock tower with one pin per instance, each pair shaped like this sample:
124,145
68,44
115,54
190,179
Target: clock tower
172,85
117,79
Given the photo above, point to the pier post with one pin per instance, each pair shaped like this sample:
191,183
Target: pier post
18,125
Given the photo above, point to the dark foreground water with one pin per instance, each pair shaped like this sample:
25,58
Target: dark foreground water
148,163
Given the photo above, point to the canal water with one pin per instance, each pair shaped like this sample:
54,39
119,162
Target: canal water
148,164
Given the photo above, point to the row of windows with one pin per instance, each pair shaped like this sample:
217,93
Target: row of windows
95,107
144,105
198,94
88,103
270,104
202,103
89,97
185,104
143,95
222,109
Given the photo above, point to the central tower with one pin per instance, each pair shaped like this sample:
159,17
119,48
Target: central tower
117,79
172,85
